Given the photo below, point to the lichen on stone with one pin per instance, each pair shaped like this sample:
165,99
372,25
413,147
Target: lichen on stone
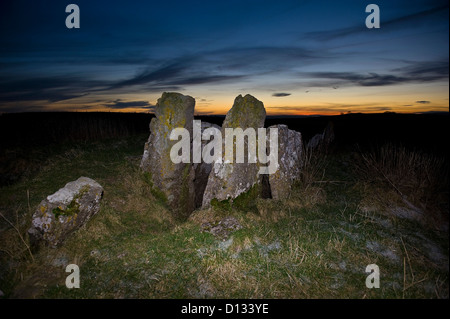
229,179
56,217
170,182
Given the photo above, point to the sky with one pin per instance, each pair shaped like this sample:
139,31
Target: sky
297,57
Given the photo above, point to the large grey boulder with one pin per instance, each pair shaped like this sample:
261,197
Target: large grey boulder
229,179
290,161
65,211
174,180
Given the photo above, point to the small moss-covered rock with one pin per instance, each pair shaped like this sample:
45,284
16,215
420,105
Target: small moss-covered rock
223,228
65,211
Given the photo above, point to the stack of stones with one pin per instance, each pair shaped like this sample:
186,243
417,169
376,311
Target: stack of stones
187,186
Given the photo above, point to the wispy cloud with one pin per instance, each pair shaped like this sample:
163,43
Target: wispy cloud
369,79
119,104
415,72
51,89
23,108
220,66
281,94
423,102
206,55
157,76
335,107
426,70
397,23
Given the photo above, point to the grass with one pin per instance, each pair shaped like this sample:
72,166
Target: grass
316,244
410,178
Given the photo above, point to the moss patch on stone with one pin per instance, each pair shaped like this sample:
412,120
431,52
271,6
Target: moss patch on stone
247,105
247,200
221,204
155,191
185,200
71,210
74,207
244,202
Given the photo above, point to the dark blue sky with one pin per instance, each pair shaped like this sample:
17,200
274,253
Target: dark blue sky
298,57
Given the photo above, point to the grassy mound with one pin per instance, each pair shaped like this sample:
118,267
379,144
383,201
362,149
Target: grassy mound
316,244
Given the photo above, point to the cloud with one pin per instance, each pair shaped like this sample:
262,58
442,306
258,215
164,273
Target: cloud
281,94
404,21
426,70
22,108
414,72
204,79
50,89
265,57
158,75
423,102
205,67
332,108
220,65
175,75
40,96
369,79
415,18
118,104
434,112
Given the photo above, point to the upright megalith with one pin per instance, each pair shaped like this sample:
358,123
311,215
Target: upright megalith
321,142
173,181
230,177
290,162
229,165
202,169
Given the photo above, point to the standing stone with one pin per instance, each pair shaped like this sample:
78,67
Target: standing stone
175,181
228,180
322,141
315,141
65,211
202,169
328,136
289,160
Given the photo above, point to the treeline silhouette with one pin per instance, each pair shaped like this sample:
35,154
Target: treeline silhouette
27,138
37,129
423,132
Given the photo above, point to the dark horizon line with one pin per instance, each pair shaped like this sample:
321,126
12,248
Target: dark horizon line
223,115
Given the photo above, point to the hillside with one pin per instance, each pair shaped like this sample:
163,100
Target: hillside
347,212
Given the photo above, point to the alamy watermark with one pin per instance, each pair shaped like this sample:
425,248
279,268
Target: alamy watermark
73,280
212,152
73,19
373,19
373,280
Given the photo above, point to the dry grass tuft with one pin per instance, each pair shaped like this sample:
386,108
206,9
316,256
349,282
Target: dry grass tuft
394,176
307,197
14,239
314,166
137,198
270,210
208,215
